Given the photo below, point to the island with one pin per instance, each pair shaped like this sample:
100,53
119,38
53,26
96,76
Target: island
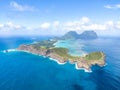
47,48
86,35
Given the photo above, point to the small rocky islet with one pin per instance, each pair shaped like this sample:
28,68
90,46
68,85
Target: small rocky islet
47,48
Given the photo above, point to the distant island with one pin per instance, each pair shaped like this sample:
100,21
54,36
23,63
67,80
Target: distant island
86,35
47,48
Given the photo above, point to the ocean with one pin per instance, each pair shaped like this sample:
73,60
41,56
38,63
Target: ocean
25,71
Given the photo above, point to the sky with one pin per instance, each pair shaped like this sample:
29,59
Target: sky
56,17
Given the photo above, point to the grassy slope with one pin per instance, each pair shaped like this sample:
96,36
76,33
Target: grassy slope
63,52
46,44
94,56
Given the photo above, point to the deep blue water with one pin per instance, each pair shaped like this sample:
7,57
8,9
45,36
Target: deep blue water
24,71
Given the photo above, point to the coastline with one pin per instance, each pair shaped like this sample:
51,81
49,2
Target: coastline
42,56
13,50
76,67
45,56
57,61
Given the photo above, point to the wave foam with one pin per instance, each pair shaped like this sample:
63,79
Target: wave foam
89,71
57,61
12,50
9,50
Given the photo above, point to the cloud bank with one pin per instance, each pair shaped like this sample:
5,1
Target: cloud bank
58,28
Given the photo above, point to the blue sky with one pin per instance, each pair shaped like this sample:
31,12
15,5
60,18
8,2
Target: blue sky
48,17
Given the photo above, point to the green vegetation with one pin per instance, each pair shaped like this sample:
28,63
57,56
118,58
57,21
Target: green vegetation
63,52
46,44
94,56
60,51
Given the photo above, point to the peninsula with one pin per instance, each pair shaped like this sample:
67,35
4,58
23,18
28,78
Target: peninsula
47,48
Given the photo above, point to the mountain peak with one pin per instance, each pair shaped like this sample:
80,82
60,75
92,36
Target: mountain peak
87,35
70,35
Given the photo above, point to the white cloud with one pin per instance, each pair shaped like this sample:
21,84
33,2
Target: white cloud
45,25
10,28
77,25
50,25
117,25
116,6
57,27
20,7
11,25
1,25
84,20
94,27
56,23
108,6
86,24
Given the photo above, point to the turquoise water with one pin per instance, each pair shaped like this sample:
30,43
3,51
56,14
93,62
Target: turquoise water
75,46
25,71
